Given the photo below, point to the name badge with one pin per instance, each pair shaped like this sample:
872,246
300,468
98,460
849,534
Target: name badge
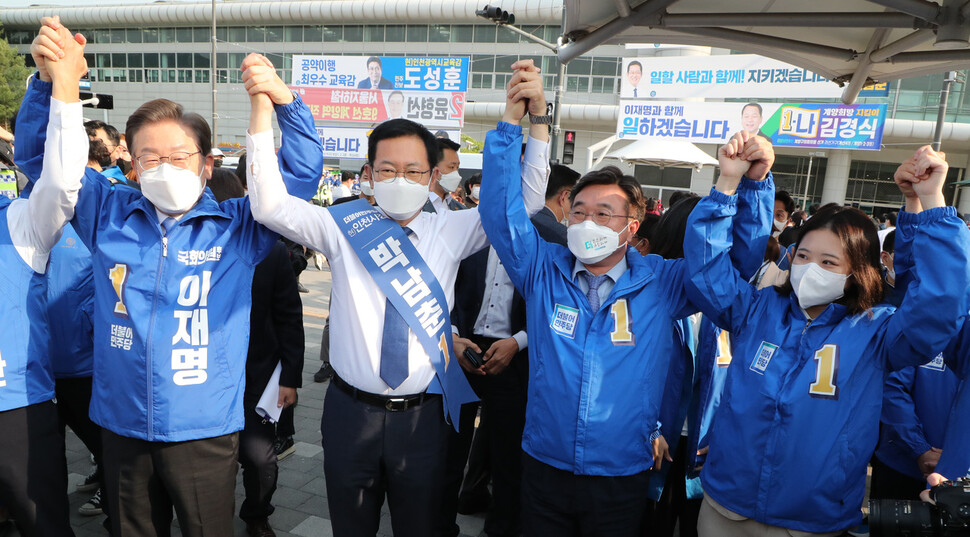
936,364
761,360
564,320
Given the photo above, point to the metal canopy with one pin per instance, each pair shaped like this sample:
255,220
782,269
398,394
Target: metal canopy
853,42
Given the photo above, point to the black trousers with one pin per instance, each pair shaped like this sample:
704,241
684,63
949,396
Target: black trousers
456,456
259,465
33,470
370,452
661,517
145,480
560,503
285,427
888,484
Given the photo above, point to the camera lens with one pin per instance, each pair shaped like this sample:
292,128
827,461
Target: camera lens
901,518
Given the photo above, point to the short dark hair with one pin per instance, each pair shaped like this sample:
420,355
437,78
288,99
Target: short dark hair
560,177
374,59
241,169
756,105
447,143
813,209
165,110
860,241
679,195
787,200
772,250
92,126
891,216
647,225
225,185
346,176
889,243
399,128
634,62
667,239
611,175
475,179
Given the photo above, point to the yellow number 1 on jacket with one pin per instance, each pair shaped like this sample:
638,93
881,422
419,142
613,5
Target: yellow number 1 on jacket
826,373
119,277
621,334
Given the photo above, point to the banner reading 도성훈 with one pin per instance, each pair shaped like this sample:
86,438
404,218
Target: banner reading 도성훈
381,72
833,126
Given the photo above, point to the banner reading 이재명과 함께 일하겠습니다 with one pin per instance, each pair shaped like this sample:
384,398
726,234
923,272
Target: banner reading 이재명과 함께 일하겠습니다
832,126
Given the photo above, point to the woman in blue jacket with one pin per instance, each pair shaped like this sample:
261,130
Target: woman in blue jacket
799,417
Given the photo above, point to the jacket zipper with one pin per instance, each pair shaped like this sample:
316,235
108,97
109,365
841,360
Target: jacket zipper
151,330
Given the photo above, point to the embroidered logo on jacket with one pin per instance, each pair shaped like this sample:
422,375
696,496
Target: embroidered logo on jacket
936,364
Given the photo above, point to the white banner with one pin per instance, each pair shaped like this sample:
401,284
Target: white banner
351,142
741,76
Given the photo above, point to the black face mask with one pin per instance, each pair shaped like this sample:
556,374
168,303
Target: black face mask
124,165
98,152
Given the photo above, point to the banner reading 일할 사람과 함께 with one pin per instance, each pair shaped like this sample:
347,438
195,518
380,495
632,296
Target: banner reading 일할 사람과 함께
833,126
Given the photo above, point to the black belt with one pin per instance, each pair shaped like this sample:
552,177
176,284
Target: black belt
394,403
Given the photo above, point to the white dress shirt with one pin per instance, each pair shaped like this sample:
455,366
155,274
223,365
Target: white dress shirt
494,318
357,304
35,223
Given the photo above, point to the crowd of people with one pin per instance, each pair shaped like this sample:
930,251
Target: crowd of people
726,366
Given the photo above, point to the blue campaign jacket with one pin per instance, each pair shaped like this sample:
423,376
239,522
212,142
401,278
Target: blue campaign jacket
25,371
798,419
955,460
171,315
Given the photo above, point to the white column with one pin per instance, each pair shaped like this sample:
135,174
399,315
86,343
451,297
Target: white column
836,176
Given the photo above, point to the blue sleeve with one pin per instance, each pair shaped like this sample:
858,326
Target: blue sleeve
32,119
899,420
502,210
903,248
957,353
752,225
715,286
301,154
936,301
955,461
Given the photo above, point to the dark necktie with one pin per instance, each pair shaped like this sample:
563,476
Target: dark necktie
394,344
594,283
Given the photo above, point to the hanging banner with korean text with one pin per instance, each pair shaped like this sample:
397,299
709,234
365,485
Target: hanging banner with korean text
381,72
433,109
735,76
833,126
351,142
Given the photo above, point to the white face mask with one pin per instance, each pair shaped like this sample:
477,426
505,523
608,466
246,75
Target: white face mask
366,189
780,224
449,181
591,242
171,189
815,286
399,199
475,190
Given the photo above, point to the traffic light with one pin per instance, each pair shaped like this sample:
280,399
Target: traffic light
568,147
496,14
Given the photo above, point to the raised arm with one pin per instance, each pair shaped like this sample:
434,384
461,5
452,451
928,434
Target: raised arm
715,286
526,84
936,301
301,153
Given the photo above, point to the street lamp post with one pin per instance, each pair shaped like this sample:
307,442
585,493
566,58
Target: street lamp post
506,20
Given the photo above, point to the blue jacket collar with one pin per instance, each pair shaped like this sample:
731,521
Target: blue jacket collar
206,206
640,269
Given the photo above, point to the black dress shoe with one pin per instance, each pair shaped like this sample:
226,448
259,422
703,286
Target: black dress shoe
259,529
324,373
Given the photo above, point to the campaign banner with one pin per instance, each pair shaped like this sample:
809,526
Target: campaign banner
833,126
735,76
431,109
414,73
351,142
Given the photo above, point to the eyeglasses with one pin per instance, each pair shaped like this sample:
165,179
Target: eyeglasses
411,176
601,217
179,159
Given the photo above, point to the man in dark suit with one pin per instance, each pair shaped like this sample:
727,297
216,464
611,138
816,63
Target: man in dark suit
375,78
549,221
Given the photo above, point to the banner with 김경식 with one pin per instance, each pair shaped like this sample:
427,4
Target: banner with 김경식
832,126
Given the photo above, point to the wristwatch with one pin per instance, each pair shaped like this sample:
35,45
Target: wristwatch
540,120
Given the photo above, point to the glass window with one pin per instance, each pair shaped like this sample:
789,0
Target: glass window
167,75
312,34
152,76
88,57
222,33
222,76
102,60
185,75
20,37
483,63
604,66
531,29
149,35
579,66
236,59
276,60
237,34
119,75
597,86
481,81
151,59
502,81
134,60
536,60
274,34
183,59
484,34
166,35
256,34
373,33
202,75
551,33
439,33
133,35
394,33
503,64
608,85
166,59
222,60
417,33
354,34
462,33
293,34
202,35
333,34
118,35
102,36
201,60
183,35
135,75
119,60
507,36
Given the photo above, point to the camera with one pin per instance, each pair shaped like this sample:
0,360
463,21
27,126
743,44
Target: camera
950,517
